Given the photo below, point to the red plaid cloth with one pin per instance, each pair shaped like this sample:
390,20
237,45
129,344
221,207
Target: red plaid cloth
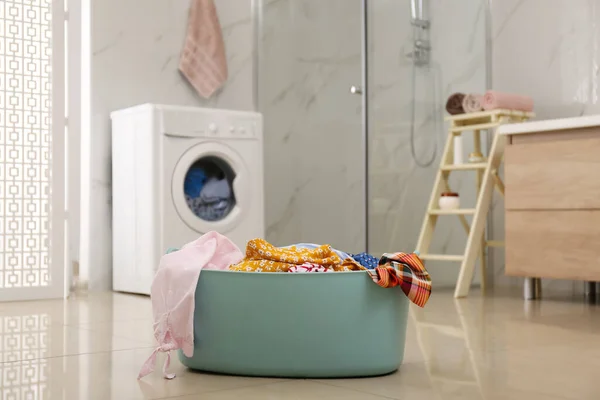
407,271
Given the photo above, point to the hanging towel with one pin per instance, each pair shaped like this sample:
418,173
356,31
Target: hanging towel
493,100
404,270
173,290
203,61
472,103
262,256
454,104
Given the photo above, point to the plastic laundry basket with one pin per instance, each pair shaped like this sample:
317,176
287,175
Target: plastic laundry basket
311,325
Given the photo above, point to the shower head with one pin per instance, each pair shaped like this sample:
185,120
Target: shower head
419,10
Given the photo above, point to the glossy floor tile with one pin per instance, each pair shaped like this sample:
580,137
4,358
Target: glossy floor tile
496,347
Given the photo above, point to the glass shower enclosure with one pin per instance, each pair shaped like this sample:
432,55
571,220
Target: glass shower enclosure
353,93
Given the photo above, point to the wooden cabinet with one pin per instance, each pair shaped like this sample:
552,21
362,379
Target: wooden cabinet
552,202
558,244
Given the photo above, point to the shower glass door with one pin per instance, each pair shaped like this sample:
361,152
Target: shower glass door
310,54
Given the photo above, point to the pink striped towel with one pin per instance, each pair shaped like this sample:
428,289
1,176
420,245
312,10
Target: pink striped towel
203,61
472,103
493,100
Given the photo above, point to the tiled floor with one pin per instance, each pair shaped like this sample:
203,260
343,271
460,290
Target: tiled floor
496,347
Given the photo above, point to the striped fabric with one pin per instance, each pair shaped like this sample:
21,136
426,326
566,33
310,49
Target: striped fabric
407,271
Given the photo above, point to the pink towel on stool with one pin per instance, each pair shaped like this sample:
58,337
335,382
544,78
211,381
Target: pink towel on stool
493,100
173,291
203,61
472,103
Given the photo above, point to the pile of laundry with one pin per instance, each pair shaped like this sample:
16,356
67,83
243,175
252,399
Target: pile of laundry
174,285
262,256
208,192
391,270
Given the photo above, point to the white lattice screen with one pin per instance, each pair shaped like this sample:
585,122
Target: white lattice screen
26,144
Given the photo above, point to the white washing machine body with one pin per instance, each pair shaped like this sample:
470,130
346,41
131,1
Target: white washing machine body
154,147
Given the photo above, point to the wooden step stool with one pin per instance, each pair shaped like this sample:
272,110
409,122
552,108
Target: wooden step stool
487,178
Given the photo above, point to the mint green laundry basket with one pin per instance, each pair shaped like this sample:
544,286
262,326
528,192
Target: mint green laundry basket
304,325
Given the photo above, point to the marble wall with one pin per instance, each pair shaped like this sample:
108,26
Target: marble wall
135,45
549,52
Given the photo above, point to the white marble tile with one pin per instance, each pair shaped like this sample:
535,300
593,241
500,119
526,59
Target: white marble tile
479,348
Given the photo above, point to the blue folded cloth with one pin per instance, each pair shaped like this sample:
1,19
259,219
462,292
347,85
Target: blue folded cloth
366,260
194,182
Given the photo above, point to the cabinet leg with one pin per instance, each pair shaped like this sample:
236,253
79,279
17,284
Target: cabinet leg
590,291
532,289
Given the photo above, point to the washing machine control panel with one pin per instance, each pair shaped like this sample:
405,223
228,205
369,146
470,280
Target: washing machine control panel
221,124
231,129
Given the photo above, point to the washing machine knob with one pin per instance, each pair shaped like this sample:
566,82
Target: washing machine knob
212,127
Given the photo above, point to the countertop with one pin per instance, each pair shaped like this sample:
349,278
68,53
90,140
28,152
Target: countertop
549,125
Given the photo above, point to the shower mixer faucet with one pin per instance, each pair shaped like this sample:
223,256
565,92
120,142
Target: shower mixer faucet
420,52
420,22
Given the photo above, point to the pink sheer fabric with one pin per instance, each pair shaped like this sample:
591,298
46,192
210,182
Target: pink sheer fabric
173,291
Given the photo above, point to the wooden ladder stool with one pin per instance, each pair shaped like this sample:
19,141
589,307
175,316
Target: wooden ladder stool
487,179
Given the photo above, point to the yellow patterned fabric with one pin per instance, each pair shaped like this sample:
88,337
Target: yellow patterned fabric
262,256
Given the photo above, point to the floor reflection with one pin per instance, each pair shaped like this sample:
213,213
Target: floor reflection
24,338
461,370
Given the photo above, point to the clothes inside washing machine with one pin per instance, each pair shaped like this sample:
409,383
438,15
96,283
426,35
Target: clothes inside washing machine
208,188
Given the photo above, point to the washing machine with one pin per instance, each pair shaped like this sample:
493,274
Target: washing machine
177,173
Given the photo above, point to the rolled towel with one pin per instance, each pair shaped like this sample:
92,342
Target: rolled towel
493,100
472,103
454,105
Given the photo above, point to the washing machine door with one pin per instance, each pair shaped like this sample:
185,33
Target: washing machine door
210,188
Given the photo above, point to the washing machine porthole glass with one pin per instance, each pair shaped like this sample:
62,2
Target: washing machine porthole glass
208,188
